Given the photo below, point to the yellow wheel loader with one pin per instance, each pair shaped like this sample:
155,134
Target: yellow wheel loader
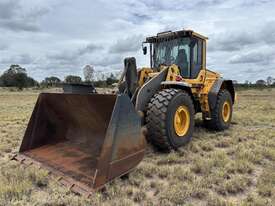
88,139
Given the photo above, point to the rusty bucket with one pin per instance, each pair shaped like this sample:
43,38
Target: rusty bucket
87,140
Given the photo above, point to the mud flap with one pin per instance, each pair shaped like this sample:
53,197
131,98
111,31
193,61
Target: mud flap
87,140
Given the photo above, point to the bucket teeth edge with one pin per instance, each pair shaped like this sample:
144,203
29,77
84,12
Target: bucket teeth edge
63,180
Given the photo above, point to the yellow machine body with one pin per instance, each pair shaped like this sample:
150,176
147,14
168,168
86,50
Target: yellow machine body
200,86
87,140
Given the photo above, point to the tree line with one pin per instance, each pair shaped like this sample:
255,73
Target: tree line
16,76
260,83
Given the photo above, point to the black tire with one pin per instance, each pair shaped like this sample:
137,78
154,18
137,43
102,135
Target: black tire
160,119
217,122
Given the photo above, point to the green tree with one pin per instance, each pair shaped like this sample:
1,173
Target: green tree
16,69
73,79
88,72
16,76
261,82
111,80
51,81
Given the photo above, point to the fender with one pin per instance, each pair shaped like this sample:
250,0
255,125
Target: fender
179,85
217,86
147,91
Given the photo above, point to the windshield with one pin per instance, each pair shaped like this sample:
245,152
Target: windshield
175,51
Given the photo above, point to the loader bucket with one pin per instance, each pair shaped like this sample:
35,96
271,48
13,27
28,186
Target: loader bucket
86,140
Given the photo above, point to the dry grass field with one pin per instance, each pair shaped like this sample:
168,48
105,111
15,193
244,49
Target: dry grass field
234,167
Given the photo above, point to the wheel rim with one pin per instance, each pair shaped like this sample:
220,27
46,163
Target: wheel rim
181,121
226,110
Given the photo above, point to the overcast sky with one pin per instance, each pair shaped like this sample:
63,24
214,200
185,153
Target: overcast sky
50,37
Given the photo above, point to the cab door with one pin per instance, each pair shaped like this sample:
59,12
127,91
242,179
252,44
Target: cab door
196,57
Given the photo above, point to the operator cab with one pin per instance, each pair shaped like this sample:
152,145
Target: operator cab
184,48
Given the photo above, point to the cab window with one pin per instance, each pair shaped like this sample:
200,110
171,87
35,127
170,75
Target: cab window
175,51
196,54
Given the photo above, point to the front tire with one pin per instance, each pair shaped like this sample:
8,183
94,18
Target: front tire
222,113
170,119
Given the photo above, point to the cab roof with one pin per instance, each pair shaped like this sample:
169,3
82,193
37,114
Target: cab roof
169,35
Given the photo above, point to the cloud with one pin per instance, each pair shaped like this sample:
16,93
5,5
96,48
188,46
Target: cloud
255,70
237,40
64,57
267,33
90,48
62,36
36,12
232,42
3,46
164,5
129,44
73,57
108,60
8,8
255,3
15,17
137,18
260,57
19,25
18,59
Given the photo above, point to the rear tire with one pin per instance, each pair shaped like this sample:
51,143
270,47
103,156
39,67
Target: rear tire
170,119
222,113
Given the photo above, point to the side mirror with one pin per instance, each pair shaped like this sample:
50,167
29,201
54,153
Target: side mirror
144,49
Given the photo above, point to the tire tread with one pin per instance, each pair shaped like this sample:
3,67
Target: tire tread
156,117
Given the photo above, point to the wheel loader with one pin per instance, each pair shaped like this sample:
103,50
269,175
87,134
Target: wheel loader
87,140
